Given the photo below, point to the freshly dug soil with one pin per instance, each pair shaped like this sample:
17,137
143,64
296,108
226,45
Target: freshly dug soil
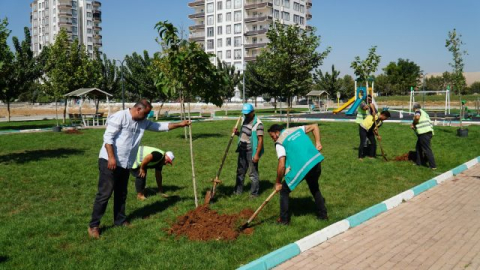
73,131
406,157
203,224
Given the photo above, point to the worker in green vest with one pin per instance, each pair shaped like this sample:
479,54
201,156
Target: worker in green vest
364,109
369,130
298,159
150,158
250,149
423,127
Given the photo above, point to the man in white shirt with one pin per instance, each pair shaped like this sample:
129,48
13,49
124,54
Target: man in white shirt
121,140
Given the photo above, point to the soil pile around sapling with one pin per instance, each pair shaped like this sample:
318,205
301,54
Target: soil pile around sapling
204,224
406,157
73,131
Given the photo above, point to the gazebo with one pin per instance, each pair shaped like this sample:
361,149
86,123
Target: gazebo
318,94
82,93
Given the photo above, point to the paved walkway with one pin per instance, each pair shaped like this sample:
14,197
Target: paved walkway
438,229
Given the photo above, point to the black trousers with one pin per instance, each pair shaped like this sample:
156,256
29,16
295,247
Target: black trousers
312,180
245,162
364,135
424,151
140,183
109,182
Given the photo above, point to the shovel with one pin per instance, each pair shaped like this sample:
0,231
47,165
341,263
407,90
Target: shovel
245,225
211,193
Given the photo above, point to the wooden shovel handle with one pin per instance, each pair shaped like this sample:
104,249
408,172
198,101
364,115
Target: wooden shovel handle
261,206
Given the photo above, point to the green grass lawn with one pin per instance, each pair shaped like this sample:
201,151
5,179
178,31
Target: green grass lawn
49,181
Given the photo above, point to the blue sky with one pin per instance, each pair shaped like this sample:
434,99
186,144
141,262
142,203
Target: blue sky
409,29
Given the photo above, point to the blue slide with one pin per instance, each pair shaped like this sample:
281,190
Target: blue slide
354,107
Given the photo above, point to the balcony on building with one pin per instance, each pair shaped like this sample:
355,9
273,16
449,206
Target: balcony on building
97,15
308,15
98,43
250,58
97,28
64,6
262,18
65,14
249,5
309,3
96,4
255,45
197,37
256,32
64,23
197,15
197,27
97,36
197,3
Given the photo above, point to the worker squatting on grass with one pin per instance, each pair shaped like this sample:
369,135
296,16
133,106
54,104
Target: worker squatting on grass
369,130
298,159
117,156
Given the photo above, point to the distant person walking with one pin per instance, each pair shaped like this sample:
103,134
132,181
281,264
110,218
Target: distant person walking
423,127
250,149
121,140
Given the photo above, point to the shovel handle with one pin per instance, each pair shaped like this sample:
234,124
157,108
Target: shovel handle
228,147
261,206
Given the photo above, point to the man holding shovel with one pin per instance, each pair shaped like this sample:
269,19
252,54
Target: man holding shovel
423,127
250,149
298,159
150,158
369,129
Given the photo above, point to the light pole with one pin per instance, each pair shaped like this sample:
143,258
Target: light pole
123,87
243,84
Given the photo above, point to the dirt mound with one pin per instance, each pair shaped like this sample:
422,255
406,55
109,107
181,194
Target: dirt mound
205,224
406,157
73,131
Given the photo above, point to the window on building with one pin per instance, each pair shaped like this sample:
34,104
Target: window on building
302,20
229,42
89,30
286,16
296,6
228,29
89,6
89,14
237,42
228,4
219,30
210,8
210,44
237,28
286,3
237,54
90,47
219,55
219,5
229,54
302,8
210,32
210,20
228,17
277,2
219,18
237,4
237,16
276,14
89,23
296,19
219,43
90,39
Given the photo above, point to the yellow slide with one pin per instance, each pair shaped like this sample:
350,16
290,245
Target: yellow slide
345,105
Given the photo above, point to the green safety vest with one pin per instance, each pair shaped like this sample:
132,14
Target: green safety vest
424,124
144,151
301,155
254,137
361,115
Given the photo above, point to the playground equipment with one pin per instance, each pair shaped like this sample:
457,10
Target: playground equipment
447,98
360,95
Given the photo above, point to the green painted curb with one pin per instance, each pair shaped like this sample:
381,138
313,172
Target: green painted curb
424,186
366,214
459,169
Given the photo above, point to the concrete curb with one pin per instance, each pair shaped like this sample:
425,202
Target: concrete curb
291,250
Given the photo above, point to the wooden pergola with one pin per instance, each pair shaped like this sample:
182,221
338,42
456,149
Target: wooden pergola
316,93
82,93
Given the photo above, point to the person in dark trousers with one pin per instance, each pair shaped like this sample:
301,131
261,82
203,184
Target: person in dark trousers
150,158
298,159
250,149
423,127
121,140
365,109
369,129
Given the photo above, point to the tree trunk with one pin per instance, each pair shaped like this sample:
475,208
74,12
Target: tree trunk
8,110
275,104
288,111
255,102
65,112
191,157
159,111
56,110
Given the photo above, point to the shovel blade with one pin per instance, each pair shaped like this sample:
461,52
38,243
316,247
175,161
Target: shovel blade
208,197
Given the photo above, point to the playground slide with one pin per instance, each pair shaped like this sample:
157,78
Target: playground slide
345,105
354,107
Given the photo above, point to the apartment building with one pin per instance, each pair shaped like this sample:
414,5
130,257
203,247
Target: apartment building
80,18
235,30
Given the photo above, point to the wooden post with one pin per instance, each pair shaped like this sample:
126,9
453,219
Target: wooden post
191,157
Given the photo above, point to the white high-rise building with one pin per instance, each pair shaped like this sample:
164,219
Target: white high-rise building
235,30
80,18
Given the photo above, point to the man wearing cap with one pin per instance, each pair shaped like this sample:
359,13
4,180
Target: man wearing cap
121,140
298,159
250,149
423,127
150,158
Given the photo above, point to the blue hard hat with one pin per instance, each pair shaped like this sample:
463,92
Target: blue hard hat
247,108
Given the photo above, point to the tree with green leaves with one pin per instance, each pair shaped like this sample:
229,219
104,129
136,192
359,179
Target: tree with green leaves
109,80
364,69
231,79
347,86
255,83
328,82
290,57
475,87
402,75
454,44
6,65
188,70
